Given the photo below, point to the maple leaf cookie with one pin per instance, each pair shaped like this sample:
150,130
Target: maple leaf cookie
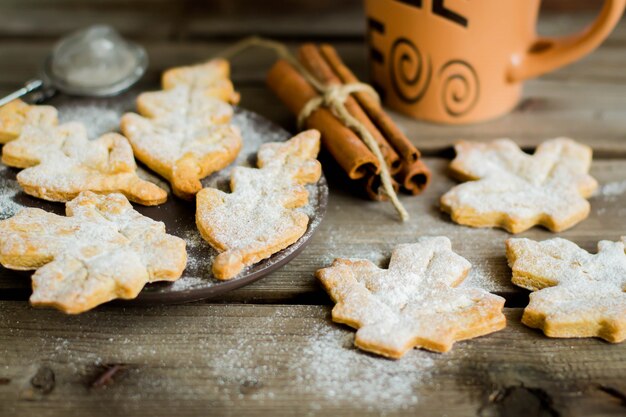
576,294
510,189
61,161
413,303
16,114
259,217
182,132
102,250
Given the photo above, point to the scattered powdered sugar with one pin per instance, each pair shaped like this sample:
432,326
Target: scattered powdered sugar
326,368
193,239
482,276
613,190
98,119
330,366
146,175
255,131
186,282
8,190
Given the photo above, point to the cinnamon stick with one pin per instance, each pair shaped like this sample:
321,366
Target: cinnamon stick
414,178
372,185
413,175
386,125
312,59
342,143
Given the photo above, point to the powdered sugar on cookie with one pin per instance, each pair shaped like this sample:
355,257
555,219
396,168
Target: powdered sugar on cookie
183,131
17,114
102,250
259,217
510,189
414,302
8,190
577,294
61,161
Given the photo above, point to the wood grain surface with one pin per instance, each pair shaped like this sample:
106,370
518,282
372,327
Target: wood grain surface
270,348
278,360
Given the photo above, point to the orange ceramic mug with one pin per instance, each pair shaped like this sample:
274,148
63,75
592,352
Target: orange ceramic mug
460,61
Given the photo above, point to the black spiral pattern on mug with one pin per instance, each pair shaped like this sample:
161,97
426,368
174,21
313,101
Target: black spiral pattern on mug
460,87
410,71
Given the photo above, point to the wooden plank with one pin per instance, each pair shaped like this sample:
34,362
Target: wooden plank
287,360
355,228
148,19
328,19
23,59
593,114
584,100
162,19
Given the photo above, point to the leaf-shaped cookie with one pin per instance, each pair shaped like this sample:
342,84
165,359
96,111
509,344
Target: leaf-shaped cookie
414,303
259,217
17,114
102,250
182,132
510,189
213,77
61,161
577,294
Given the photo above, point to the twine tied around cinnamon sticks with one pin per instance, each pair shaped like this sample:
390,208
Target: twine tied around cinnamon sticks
332,97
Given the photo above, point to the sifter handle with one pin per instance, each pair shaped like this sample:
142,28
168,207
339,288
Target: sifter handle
29,87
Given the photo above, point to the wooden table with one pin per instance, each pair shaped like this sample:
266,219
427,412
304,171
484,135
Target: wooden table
270,348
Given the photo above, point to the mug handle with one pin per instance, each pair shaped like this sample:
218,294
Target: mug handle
547,54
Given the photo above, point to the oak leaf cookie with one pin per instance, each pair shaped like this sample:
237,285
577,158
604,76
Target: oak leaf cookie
260,217
102,250
510,189
61,161
182,132
16,114
576,294
414,303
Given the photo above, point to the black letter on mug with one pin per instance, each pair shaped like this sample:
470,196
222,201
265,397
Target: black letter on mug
374,25
416,3
376,55
440,9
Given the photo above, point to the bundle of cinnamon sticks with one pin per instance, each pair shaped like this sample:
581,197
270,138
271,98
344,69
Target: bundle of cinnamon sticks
409,173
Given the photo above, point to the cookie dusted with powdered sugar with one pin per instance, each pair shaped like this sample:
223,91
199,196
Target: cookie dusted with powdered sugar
102,250
576,294
182,132
212,77
61,162
413,303
510,189
259,217
17,114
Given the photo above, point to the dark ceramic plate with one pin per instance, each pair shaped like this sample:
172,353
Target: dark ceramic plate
102,115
